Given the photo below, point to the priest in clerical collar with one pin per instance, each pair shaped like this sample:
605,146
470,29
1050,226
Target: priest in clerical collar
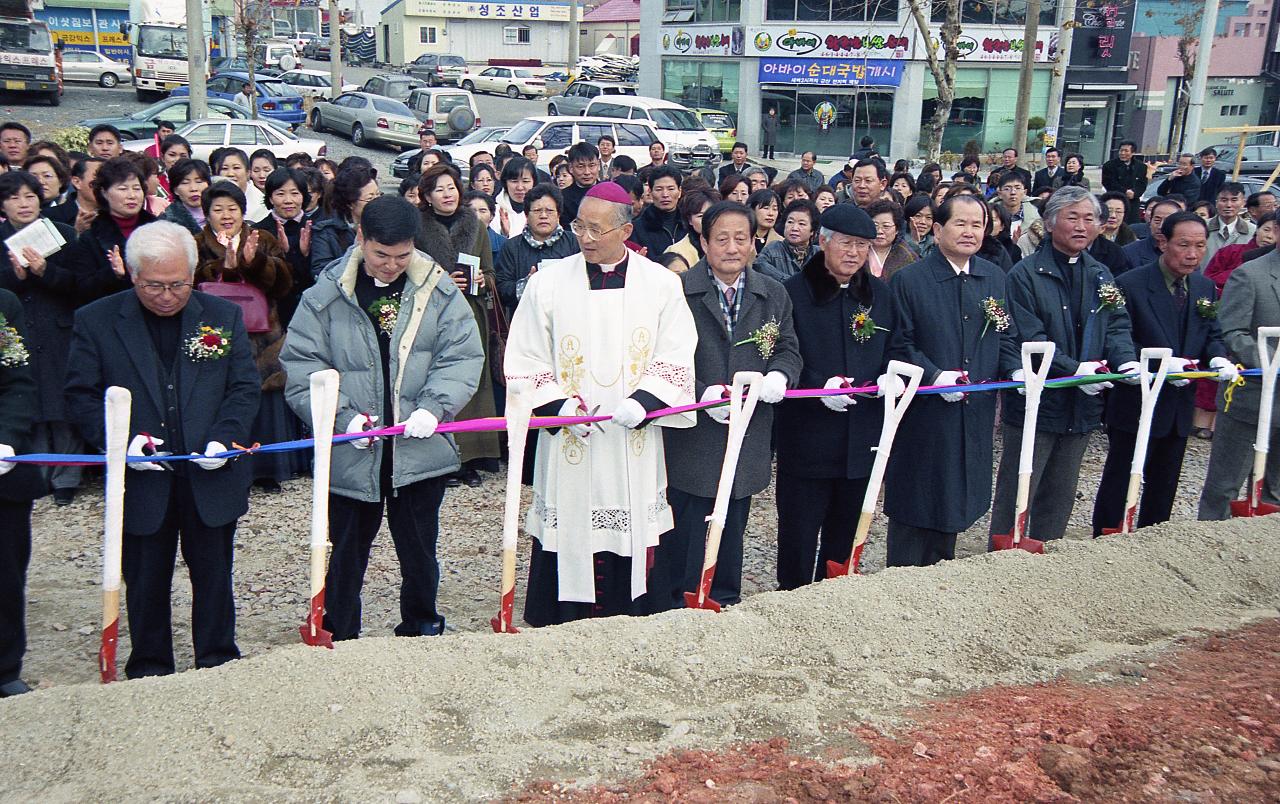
605,330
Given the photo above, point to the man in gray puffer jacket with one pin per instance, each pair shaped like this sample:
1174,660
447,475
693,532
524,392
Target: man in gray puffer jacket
405,343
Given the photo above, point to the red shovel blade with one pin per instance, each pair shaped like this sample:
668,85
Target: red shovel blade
836,569
1128,524
502,623
312,631
701,599
1242,508
1004,541
107,653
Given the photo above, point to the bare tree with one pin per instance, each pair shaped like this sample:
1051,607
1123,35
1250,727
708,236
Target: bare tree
252,21
1188,43
944,70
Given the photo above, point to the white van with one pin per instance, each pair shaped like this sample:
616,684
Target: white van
552,136
689,144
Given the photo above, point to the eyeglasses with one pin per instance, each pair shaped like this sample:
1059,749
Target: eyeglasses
885,227
589,235
158,288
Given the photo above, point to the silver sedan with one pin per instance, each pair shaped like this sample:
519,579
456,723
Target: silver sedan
366,119
89,65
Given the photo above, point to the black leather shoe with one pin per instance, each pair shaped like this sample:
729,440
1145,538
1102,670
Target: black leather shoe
15,687
64,496
452,481
472,478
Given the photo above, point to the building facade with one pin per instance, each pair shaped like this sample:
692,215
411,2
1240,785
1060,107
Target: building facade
510,32
837,70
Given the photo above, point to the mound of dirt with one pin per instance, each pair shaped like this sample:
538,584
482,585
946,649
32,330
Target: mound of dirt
474,716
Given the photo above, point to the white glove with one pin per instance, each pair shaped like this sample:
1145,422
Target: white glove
208,462
135,451
712,394
1020,376
1134,371
891,385
628,414
358,424
839,404
572,408
6,451
1181,364
1092,367
421,424
774,388
951,378
1227,371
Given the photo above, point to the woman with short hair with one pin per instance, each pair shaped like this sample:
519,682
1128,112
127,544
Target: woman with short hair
783,259
688,250
353,187
188,180
120,190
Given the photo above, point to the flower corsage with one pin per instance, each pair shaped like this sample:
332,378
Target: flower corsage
1207,308
1110,297
385,311
209,343
995,314
765,338
13,352
863,326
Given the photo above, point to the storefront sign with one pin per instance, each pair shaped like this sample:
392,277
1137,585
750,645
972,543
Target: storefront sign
1102,35
829,42
995,45
553,12
831,72
713,40
89,29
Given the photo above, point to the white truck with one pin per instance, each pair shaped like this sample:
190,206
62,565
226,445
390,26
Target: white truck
27,62
158,33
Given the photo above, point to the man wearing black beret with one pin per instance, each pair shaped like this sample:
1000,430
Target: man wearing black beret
843,317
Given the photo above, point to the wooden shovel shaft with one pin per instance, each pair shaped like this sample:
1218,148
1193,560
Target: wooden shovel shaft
1256,477
118,405
1022,503
1131,502
742,406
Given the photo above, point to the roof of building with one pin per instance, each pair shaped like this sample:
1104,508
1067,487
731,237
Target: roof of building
614,11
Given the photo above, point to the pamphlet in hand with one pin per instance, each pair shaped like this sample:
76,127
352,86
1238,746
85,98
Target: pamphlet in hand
40,235
472,268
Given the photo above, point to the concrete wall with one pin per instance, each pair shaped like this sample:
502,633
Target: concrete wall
476,40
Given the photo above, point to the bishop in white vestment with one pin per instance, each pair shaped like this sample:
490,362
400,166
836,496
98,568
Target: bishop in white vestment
605,330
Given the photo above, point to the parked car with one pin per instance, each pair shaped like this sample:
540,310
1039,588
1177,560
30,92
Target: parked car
577,96
510,81
437,69
689,144
450,113
275,55
367,118
391,86
249,135
721,126
142,124
301,39
317,48
490,134
240,64
1252,182
313,83
89,65
1258,159
552,136
275,99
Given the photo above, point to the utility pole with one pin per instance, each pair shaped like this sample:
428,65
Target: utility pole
197,60
574,37
335,47
1023,112
1058,84
1199,78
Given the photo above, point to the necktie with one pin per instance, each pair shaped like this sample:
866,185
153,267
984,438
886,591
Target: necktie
1180,294
729,294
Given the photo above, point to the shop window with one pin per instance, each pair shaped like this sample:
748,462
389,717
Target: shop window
427,35
984,107
832,10
1241,29
999,12
515,35
700,83
702,11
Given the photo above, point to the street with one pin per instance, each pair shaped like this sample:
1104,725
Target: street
82,100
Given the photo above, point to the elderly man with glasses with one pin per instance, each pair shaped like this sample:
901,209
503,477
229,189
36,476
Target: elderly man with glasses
605,330
185,357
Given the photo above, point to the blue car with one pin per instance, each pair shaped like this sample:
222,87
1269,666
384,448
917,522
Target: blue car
276,99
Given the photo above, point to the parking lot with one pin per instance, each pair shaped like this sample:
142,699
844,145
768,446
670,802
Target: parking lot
82,100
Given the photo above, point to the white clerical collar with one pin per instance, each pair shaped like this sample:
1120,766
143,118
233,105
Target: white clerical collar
959,269
610,267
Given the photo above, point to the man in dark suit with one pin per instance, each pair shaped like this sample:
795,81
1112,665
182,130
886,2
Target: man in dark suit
19,485
1166,302
736,164
732,306
1051,175
1183,180
185,356
943,328
1126,175
1211,178
825,446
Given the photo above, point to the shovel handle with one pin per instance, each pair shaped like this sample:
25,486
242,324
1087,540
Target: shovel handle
894,408
324,407
1151,383
1035,378
744,393
1269,362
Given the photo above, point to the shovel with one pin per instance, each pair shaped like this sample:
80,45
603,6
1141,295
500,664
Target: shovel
1252,504
1034,378
518,414
324,406
118,404
1151,384
741,408
893,410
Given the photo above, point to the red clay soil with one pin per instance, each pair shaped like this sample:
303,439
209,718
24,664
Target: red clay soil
1202,725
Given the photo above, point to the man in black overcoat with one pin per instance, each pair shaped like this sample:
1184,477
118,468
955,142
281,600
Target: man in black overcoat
825,445
185,400
1170,304
952,322
744,323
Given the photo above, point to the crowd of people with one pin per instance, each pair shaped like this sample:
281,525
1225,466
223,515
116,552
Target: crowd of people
214,289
